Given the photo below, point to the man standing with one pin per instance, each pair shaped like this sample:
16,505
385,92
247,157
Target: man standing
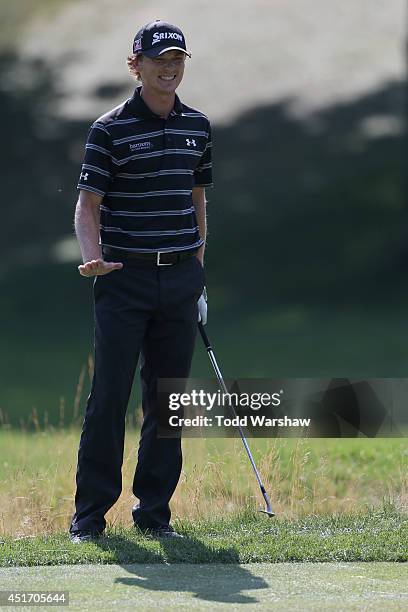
141,225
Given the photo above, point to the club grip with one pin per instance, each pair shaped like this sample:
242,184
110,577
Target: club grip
204,335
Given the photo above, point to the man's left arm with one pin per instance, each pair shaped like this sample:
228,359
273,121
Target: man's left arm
199,203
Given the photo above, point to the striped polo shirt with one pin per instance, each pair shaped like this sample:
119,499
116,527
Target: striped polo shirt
145,167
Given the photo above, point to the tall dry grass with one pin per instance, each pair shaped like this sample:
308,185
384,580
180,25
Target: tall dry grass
38,465
37,478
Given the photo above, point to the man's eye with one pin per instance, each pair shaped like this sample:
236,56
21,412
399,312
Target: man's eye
161,60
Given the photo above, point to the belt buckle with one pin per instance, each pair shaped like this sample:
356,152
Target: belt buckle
159,262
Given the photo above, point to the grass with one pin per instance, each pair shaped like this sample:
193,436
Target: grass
48,343
283,341
221,586
241,538
304,477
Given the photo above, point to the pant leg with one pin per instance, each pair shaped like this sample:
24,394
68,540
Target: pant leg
121,316
167,352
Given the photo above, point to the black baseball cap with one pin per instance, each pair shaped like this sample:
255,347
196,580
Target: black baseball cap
157,37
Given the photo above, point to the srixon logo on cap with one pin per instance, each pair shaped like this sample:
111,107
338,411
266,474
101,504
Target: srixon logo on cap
158,36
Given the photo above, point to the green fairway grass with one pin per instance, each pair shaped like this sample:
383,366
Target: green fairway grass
287,586
244,538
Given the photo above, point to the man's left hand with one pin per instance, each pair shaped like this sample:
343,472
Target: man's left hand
202,307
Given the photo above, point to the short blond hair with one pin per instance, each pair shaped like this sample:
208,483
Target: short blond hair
131,63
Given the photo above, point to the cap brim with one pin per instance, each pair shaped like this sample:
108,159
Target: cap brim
155,52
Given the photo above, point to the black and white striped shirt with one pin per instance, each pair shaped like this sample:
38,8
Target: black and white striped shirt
145,167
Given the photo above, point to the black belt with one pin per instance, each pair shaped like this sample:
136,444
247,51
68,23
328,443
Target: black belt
159,258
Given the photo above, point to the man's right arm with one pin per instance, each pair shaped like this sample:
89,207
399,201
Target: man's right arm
87,227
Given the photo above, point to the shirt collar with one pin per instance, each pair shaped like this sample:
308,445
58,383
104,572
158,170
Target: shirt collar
140,109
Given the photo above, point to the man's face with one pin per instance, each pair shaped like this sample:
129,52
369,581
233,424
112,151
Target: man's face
162,74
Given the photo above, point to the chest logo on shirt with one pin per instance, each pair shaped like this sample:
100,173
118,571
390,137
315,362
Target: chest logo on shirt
191,143
141,146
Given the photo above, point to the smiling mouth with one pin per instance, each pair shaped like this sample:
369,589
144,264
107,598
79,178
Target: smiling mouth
167,78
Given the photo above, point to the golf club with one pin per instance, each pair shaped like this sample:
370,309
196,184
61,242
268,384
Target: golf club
268,510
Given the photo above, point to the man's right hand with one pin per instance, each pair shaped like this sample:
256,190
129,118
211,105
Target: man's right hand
98,267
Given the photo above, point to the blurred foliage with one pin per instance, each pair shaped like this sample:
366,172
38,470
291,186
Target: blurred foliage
15,16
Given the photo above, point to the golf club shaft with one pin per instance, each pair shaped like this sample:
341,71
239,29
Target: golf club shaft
241,433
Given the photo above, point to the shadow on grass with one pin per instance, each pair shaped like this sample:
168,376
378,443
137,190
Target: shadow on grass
182,569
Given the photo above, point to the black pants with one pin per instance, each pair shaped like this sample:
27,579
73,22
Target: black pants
150,311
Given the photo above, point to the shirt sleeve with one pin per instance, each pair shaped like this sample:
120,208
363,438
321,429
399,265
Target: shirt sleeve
203,172
96,173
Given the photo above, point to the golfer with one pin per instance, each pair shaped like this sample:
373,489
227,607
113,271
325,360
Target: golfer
141,226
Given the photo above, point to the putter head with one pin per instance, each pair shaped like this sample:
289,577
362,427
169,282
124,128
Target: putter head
268,511
268,506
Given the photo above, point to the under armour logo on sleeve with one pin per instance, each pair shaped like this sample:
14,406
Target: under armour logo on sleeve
84,176
191,142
